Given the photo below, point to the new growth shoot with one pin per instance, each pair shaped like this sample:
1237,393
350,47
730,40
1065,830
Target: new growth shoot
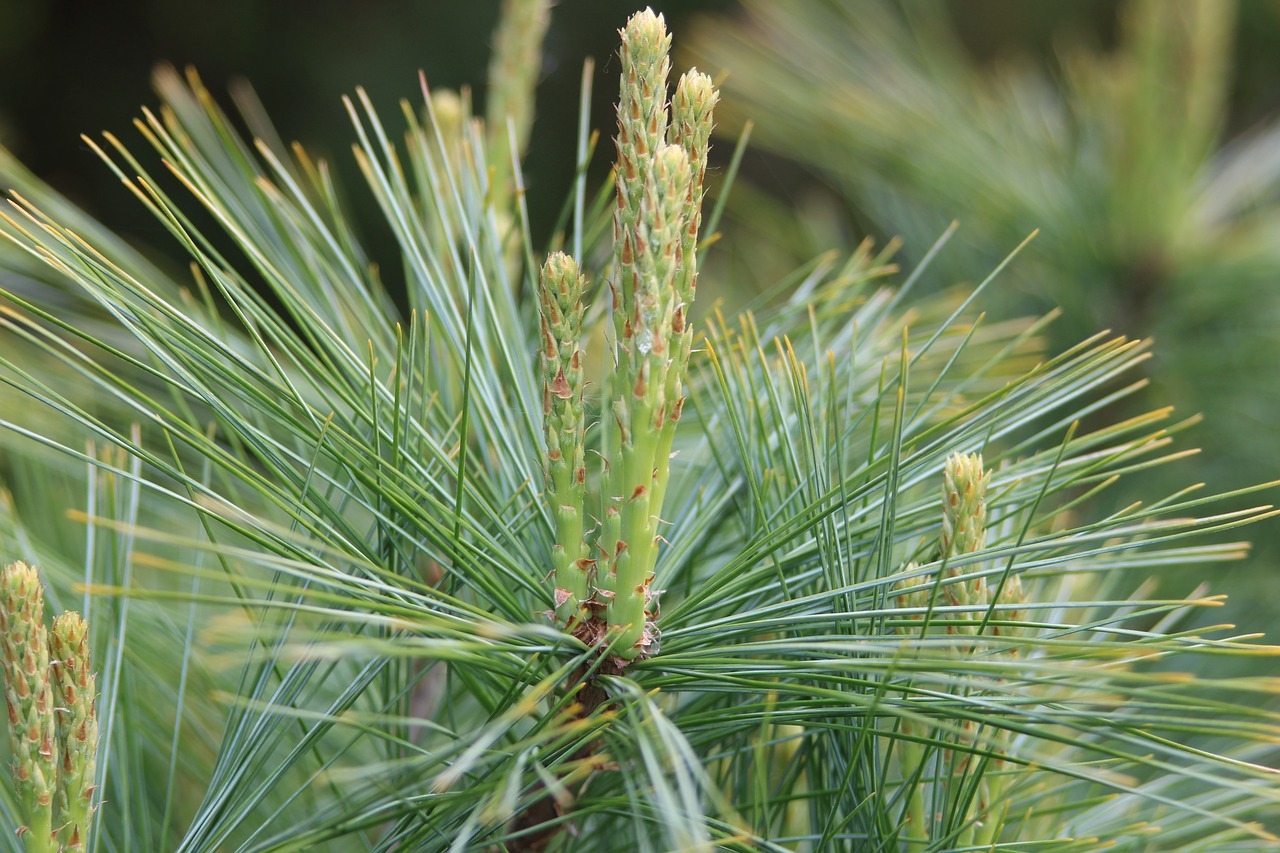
662,155
50,691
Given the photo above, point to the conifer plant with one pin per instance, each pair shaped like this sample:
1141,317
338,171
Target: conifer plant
385,577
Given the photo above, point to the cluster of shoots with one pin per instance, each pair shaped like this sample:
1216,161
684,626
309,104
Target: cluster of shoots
971,598
603,565
50,692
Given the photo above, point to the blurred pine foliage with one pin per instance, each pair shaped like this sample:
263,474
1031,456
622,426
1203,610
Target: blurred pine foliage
1152,220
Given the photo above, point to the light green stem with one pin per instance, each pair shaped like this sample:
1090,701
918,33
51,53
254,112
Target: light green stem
993,821
648,342
560,303
912,758
631,593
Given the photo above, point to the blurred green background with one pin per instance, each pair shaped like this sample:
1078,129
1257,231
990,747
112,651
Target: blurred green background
1137,136
1140,138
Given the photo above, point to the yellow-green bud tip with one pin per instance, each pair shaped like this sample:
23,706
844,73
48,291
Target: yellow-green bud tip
694,93
964,506
70,627
560,267
19,576
645,32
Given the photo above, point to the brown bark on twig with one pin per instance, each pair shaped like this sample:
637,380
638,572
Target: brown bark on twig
539,816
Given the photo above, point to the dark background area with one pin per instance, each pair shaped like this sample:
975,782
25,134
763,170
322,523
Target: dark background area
68,68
